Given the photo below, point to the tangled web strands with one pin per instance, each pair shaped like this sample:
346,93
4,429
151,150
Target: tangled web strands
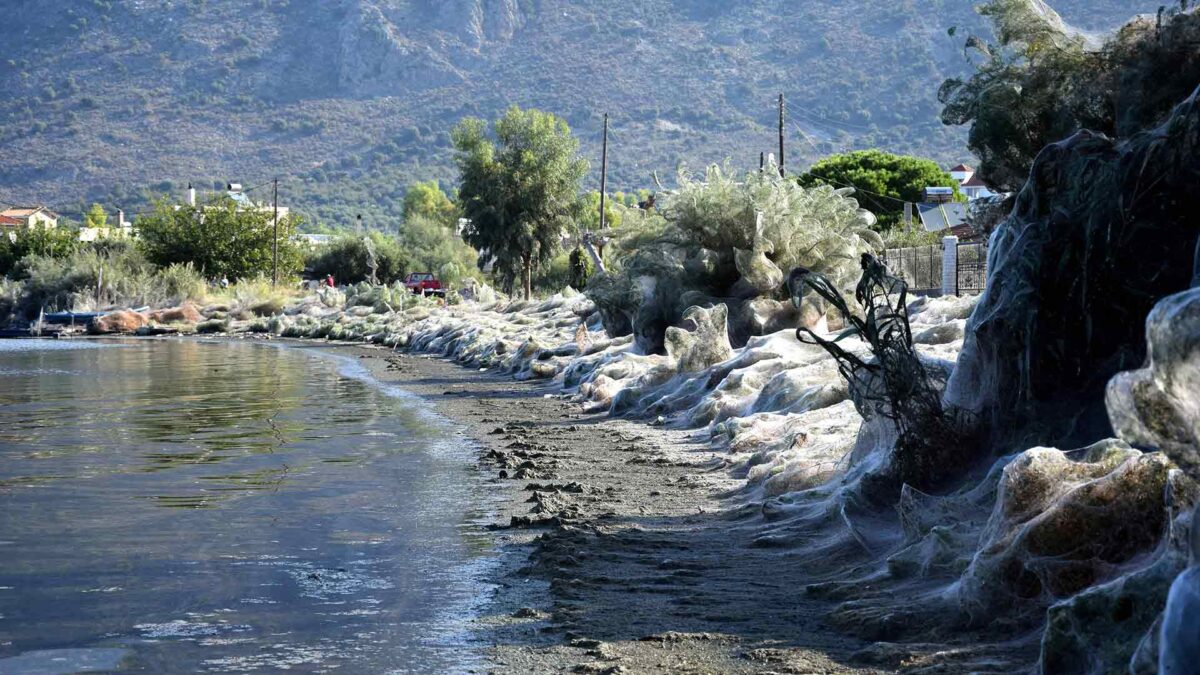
895,383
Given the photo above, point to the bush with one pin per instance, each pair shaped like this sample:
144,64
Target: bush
349,259
724,240
50,243
90,279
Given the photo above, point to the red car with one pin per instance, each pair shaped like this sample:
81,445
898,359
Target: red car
424,283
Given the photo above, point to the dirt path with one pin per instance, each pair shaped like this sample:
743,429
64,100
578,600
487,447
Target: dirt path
621,542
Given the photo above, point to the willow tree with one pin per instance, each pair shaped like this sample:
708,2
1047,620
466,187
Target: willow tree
518,190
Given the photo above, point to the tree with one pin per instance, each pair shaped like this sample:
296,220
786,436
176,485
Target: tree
433,247
1040,82
95,217
427,200
520,191
882,181
47,242
348,258
218,238
589,211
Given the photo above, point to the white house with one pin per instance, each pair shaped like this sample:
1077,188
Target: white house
969,182
28,216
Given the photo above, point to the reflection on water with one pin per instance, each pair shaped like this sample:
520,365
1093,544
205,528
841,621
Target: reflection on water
228,507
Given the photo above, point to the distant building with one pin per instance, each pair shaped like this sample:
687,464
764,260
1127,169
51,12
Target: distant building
313,239
28,216
969,182
121,229
235,192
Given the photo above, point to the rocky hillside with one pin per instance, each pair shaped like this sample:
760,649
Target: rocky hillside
350,100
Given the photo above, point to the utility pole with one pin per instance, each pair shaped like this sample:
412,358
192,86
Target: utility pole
275,240
597,260
781,134
603,172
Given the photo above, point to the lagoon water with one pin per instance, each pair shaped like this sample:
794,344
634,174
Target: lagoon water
171,506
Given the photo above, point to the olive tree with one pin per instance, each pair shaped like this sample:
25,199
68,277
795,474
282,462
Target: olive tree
519,190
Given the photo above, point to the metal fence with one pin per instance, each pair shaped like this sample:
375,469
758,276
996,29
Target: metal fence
919,266
972,269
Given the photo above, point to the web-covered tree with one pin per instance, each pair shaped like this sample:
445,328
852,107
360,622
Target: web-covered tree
1040,82
519,191
882,181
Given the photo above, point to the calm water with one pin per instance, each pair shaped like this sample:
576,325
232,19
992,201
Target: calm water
171,506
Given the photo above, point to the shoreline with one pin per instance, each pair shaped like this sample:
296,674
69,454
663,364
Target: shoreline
618,541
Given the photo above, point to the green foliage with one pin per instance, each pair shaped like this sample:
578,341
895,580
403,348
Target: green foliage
91,278
34,241
426,200
434,247
349,259
589,210
710,245
520,191
219,239
882,181
1039,83
820,228
95,217
424,245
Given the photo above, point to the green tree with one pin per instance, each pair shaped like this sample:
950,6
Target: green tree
95,217
433,247
46,242
427,200
589,211
520,191
348,258
882,181
219,239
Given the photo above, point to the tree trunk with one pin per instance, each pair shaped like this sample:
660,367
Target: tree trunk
527,263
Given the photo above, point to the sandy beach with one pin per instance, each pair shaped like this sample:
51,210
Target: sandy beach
621,550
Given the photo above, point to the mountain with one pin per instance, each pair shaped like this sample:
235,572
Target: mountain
348,101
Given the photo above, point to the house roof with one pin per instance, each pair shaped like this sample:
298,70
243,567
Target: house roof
961,167
9,220
974,181
27,211
939,217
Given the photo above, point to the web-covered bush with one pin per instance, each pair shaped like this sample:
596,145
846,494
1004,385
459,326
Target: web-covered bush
726,240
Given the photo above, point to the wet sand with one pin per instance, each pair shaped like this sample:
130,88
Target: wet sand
621,542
